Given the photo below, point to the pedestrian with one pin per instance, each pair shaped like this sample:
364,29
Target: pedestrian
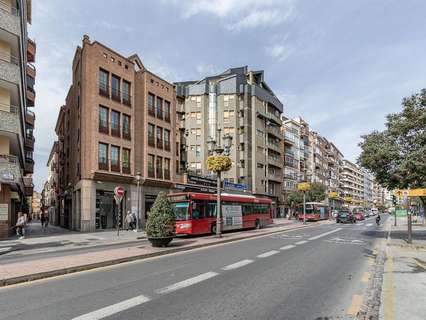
42,220
135,222
46,221
129,221
20,226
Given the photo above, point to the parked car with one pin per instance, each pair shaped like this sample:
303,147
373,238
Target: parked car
359,216
345,216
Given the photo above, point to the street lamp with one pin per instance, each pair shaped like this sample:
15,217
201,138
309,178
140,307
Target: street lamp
138,180
216,151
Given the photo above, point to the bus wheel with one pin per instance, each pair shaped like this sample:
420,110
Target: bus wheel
213,229
258,225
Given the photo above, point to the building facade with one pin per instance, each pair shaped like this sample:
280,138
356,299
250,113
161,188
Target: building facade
51,187
352,182
118,121
368,188
17,96
237,102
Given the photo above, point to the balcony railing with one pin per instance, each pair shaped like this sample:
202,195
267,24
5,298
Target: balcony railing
103,164
151,141
151,172
115,95
160,143
29,117
9,58
151,112
115,166
8,108
31,50
166,174
104,89
104,129
31,70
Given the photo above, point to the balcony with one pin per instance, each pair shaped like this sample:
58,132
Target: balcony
9,118
31,70
31,97
274,117
28,186
274,146
29,141
29,165
288,139
275,131
275,176
275,161
10,170
31,50
9,18
30,118
9,68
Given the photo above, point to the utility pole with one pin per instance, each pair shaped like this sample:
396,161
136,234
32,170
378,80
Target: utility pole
304,207
219,212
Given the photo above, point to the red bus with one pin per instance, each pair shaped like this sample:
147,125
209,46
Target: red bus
196,212
315,211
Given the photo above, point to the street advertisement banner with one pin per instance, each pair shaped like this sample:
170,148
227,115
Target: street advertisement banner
232,217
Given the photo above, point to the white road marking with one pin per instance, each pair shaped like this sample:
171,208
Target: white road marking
187,282
301,242
113,309
290,246
268,254
369,224
325,234
361,224
237,265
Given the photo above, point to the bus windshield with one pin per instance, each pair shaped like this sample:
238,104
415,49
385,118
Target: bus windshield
180,210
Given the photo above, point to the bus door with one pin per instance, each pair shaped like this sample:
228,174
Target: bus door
232,217
200,224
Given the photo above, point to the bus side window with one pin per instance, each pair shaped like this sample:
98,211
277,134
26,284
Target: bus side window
211,210
198,210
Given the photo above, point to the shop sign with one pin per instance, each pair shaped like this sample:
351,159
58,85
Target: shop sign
4,211
200,180
234,186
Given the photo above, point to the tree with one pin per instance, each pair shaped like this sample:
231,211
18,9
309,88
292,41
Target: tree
397,155
161,219
316,193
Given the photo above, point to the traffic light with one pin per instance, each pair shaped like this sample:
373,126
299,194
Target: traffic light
394,200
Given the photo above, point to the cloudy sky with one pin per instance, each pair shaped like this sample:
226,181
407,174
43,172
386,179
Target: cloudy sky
341,65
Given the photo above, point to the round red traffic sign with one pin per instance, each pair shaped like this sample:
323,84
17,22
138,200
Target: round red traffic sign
119,191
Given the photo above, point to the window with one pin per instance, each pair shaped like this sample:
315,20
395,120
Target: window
103,156
126,160
259,132
229,130
126,127
151,108
115,158
198,151
103,83
167,139
166,168
196,132
160,137
151,172
115,123
167,111
177,167
159,167
126,93
151,135
115,88
103,120
159,112
227,115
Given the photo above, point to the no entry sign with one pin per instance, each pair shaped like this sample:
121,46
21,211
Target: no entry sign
119,192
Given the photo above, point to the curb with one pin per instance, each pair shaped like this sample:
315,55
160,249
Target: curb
53,273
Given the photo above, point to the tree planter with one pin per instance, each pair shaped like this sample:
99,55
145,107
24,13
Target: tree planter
160,242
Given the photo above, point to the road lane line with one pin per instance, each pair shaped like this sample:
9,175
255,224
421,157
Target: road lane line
113,309
268,254
361,224
237,265
301,242
290,246
187,282
355,305
325,234
369,224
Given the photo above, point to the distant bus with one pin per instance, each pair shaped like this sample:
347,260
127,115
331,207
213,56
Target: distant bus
196,212
315,211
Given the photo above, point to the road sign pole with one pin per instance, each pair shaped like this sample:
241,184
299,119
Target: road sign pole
304,207
409,222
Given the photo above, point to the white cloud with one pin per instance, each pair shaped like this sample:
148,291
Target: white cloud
237,15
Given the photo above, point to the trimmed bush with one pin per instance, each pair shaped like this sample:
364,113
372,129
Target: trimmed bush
161,219
218,163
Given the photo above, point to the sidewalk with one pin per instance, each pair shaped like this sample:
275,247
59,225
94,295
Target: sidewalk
404,280
55,239
36,269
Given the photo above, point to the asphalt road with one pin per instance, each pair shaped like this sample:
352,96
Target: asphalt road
311,273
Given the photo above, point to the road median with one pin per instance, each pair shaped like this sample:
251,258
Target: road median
50,267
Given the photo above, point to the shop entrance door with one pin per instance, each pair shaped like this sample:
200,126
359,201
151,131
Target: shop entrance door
106,210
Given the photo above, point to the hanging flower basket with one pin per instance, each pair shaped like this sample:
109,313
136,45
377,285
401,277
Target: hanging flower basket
218,163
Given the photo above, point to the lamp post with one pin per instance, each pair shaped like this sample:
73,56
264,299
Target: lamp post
304,186
217,150
138,180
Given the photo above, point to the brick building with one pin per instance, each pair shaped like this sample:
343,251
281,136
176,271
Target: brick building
119,119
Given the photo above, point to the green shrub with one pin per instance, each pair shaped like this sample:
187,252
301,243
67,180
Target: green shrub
161,219
218,163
